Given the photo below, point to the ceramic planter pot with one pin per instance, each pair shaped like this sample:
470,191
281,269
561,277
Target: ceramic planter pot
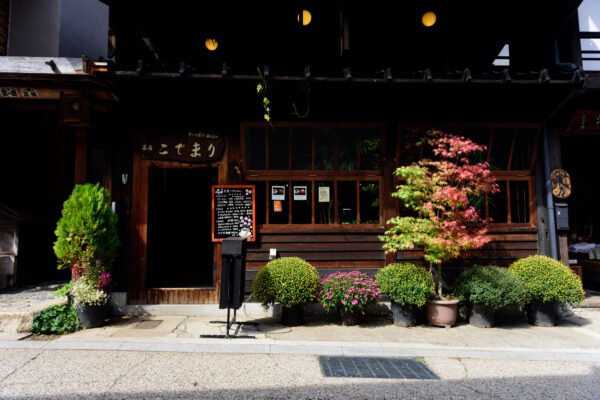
442,312
541,314
481,316
347,318
92,316
404,315
292,315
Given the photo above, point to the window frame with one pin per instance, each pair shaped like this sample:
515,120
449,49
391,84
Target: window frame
313,175
507,175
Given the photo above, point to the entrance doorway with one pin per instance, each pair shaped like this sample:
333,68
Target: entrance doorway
179,249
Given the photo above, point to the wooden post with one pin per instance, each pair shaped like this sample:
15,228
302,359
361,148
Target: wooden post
80,155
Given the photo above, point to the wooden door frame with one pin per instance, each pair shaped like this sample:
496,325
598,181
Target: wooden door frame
137,292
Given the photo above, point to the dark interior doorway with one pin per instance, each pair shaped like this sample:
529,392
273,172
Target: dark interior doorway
180,251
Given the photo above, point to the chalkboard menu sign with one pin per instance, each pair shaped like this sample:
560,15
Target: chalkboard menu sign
232,211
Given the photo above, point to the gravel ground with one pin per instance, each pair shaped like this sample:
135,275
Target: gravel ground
57,374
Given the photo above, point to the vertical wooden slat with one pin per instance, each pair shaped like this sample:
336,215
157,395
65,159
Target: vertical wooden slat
508,201
358,201
512,149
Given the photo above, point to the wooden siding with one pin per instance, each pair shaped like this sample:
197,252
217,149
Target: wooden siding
4,5
330,252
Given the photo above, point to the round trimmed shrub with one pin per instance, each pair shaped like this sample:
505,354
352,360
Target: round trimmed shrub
406,283
288,280
548,280
491,286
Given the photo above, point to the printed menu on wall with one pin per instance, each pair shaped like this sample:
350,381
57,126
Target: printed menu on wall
233,211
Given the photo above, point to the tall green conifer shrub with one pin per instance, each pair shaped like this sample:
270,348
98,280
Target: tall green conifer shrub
88,227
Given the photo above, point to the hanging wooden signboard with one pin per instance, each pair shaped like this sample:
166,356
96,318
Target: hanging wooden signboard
192,146
585,121
233,210
561,183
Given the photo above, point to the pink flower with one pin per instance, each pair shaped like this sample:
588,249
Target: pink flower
354,302
346,295
343,302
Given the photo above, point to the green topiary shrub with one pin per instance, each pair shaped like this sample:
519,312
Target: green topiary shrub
288,280
55,320
491,286
87,228
548,280
406,284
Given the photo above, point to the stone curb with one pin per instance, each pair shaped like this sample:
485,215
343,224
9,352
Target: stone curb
270,346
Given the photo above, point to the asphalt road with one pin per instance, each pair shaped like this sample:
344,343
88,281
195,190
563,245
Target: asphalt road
75,374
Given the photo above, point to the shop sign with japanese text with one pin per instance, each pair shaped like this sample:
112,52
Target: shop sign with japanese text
191,146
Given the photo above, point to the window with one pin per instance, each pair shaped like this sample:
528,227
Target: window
589,34
315,174
511,154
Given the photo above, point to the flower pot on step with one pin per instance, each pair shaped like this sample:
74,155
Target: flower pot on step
92,316
292,315
442,312
404,315
541,314
481,316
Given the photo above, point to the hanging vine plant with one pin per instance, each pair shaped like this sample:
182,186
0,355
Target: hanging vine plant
261,89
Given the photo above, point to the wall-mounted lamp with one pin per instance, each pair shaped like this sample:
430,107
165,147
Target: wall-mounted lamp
211,44
429,19
124,178
306,17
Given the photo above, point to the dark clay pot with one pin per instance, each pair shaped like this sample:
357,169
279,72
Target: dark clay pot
481,316
541,314
347,318
92,316
292,315
404,315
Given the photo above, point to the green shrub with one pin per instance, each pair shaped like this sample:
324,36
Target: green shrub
87,228
55,320
406,283
548,280
288,280
63,290
491,286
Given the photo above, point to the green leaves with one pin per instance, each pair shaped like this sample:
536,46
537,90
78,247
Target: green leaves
55,320
88,227
288,280
406,283
491,286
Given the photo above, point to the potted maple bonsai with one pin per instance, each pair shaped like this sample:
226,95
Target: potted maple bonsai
443,222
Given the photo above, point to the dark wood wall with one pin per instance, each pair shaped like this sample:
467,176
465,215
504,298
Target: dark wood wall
4,5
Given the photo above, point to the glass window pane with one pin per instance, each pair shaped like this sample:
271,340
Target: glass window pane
523,149
480,136
590,45
370,149
346,191
324,212
254,140
500,150
519,202
301,202
347,149
279,202
589,16
369,202
261,201
302,149
279,148
497,204
409,150
324,149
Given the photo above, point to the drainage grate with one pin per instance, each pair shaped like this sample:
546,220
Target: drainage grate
375,367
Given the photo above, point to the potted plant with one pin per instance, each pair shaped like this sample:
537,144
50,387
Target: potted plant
443,222
546,282
289,281
408,287
487,289
87,242
348,293
90,293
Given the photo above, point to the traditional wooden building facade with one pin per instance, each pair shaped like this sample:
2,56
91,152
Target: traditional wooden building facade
349,90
